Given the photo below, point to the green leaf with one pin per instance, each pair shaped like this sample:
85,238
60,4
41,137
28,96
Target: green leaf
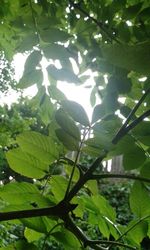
24,193
93,97
20,245
139,200
58,186
124,31
36,224
76,111
40,146
121,84
30,78
32,235
98,112
56,51
56,93
138,233
145,170
46,109
63,74
69,241
67,124
26,164
54,35
130,57
134,158
32,61
103,227
68,141
28,42
104,207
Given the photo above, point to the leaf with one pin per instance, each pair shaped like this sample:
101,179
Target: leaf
20,245
138,233
58,186
30,78
40,146
67,124
93,97
46,110
104,207
56,51
63,74
68,141
130,57
121,84
134,158
32,235
124,31
32,61
36,224
145,170
98,112
139,200
76,111
103,227
56,93
26,164
69,241
54,35
24,193
27,42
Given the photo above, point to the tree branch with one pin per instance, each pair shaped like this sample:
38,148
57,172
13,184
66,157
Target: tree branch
58,210
119,176
82,180
95,244
125,129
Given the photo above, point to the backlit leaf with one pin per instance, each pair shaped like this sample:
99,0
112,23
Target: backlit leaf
40,146
139,203
26,164
67,124
63,74
76,111
68,141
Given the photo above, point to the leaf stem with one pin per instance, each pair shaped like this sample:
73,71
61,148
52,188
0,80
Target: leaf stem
133,226
75,162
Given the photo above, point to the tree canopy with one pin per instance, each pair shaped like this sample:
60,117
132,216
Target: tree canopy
109,39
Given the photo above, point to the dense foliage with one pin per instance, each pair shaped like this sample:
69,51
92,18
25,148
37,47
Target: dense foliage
109,40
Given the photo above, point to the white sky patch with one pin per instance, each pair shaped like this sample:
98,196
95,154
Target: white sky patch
80,94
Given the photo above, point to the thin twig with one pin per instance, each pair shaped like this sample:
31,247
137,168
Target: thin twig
133,226
119,176
75,163
85,177
123,130
95,244
49,233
